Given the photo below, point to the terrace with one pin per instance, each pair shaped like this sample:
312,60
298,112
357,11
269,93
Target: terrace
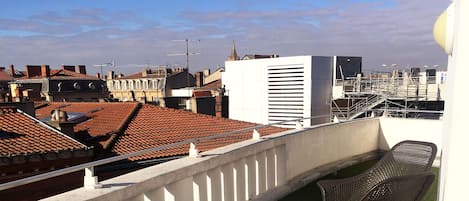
274,166
267,168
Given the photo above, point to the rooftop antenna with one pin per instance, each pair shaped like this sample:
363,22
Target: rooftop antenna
187,54
111,64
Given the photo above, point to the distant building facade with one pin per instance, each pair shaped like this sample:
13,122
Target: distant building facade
259,56
5,78
149,85
71,84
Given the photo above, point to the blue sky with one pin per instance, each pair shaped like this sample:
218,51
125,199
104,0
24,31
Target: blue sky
141,33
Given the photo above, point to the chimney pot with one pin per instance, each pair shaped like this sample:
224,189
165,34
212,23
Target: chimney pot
12,70
199,79
33,70
45,71
59,119
69,68
81,69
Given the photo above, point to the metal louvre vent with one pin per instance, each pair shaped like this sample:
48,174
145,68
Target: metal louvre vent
285,93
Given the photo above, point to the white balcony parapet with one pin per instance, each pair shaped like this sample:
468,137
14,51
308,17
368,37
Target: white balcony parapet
264,169
256,135
90,178
193,151
271,166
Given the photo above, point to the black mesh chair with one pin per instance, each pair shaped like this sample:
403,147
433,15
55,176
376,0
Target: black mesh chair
406,160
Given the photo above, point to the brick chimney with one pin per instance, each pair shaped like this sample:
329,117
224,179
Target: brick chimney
69,68
45,71
12,70
199,79
81,69
33,70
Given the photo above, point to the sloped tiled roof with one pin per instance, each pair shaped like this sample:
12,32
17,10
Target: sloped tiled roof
139,75
4,76
104,119
155,126
64,75
23,135
212,85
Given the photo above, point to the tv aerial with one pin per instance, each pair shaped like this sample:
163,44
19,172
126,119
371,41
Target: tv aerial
112,63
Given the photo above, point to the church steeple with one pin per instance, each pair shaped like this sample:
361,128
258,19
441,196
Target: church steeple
233,56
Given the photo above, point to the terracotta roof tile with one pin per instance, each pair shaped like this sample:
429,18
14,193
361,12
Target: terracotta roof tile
139,75
4,76
20,134
155,126
62,75
103,118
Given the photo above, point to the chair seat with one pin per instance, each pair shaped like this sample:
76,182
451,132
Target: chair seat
407,162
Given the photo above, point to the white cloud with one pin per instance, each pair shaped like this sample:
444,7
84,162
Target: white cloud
381,34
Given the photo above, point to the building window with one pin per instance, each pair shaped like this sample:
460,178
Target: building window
126,85
155,84
138,86
145,84
131,84
117,85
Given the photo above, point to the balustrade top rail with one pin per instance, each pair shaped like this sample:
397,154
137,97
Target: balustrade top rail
75,168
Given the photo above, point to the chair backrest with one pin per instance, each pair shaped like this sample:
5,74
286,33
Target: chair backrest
403,188
406,157
419,154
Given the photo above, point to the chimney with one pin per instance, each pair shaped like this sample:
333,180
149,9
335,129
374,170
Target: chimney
98,75
206,72
45,71
12,70
59,119
199,79
81,69
218,106
69,68
110,75
33,70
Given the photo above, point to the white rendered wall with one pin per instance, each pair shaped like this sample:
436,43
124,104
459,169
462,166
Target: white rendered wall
251,94
453,176
246,84
395,130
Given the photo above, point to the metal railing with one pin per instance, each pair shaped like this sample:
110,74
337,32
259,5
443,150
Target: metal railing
419,88
358,107
89,167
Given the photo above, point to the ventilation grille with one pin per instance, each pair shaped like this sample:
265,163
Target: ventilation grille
286,93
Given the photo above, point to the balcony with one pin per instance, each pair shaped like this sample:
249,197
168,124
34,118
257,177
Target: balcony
268,168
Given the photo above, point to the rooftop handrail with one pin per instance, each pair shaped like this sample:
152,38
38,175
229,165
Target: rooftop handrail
56,173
